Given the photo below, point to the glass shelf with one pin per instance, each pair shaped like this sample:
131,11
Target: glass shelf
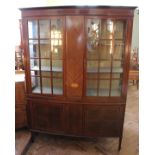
47,90
105,70
44,68
103,92
116,92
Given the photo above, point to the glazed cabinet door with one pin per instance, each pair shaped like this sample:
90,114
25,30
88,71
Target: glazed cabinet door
46,55
47,117
104,56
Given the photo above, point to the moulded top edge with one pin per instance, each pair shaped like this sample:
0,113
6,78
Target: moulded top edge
74,7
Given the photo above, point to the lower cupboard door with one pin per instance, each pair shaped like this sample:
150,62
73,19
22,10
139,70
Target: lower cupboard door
47,117
103,120
74,118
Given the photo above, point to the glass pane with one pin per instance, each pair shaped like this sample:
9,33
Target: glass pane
104,87
57,65
44,26
56,28
57,52
119,50
33,29
114,76
91,88
93,26
105,66
57,86
92,54
35,83
119,30
92,76
46,85
56,48
117,67
55,43
104,76
45,65
35,73
33,48
45,48
116,87
106,29
92,66
46,74
57,74
105,49
34,64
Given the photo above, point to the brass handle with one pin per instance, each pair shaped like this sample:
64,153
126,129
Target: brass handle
74,85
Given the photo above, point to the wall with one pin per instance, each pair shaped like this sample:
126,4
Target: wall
135,32
36,3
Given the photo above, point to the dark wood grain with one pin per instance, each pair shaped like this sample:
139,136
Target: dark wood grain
74,55
49,116
102,120
111,11
75,119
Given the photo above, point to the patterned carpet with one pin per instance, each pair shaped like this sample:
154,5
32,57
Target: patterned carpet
57,145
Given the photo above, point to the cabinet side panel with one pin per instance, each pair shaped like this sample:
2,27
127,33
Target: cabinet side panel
127,55
26,54
74,55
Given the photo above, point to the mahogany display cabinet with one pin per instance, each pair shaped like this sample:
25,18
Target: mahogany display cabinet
76,65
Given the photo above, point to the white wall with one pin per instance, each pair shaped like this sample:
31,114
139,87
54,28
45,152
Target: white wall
35,3
135,32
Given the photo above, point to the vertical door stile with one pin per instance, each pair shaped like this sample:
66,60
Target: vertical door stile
39,56
51,60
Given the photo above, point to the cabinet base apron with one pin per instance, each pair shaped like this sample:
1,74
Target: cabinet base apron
34,133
